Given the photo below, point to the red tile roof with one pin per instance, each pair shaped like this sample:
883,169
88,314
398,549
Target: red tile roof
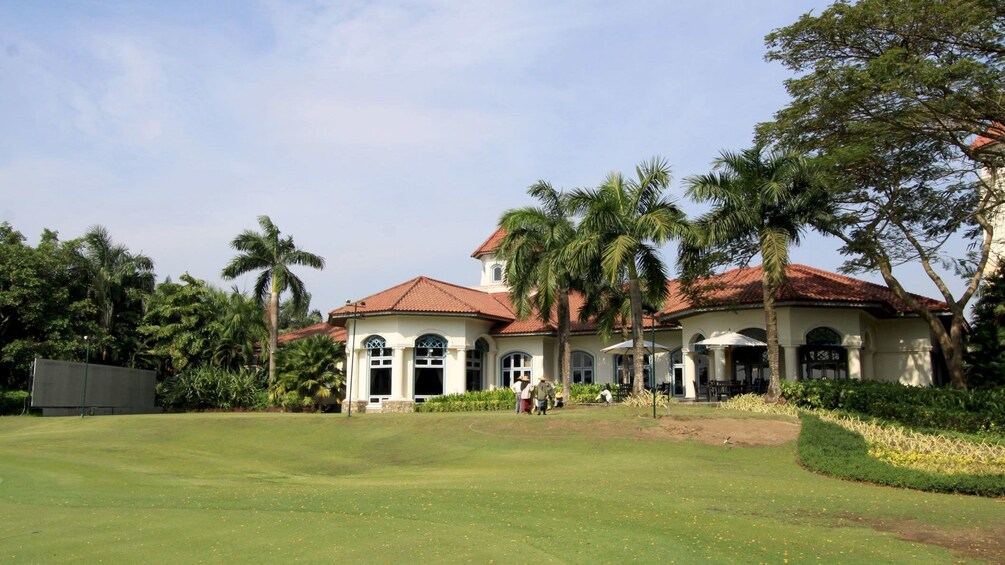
981,141
490,244
742,287
337,333
737,288
423,295
533,323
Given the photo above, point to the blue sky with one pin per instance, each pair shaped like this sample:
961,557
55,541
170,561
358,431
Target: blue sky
387,137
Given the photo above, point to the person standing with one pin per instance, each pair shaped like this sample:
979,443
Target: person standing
525,394
543,392
517,387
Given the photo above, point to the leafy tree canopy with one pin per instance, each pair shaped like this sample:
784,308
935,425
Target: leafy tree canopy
891,94
44,310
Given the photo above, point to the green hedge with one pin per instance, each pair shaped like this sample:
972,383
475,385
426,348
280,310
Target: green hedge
942,408
830,449
584,393
205,388
475,401
13,402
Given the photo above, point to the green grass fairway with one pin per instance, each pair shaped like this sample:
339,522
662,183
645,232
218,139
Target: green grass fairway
580,485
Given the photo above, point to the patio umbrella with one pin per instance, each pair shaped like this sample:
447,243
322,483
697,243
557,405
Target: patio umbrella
625,347
732,338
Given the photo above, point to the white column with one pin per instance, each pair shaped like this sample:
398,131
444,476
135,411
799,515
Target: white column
719,364
455,373
357,369
400,374
690,375
854,363
791,372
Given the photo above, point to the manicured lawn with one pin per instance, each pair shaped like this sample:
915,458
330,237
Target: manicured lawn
583,485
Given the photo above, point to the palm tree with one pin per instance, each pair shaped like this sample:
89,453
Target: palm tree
762,203
625,220
117,282
237,327
310,371
538,269
272,257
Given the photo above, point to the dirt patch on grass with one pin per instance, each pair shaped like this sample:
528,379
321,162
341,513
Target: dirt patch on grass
737,432
985,544
746,432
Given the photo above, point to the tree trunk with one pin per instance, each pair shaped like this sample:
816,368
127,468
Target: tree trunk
564,348
273,334
771,327
638,347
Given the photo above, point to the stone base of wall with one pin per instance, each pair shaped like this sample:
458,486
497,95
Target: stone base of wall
358,406
397,406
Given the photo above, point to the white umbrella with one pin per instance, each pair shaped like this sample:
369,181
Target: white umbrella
732,338
625,347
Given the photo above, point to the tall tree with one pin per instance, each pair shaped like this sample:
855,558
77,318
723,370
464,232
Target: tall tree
238,325
986,348
271,256
762,202
118,281
44,309
293,316
891,93
624,222
539,268
176,325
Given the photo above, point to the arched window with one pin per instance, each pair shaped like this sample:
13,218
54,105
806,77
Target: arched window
823,356
750,364
473,365
430,357
379,358
700,381
497,273
581,367
514,366
623,369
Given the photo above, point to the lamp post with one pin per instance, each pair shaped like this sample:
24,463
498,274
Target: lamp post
87,361
653,367
352,348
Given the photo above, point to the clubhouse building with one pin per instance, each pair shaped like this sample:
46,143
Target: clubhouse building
425,337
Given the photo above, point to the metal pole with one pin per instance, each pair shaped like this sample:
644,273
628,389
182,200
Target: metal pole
87,361
352,352
652,368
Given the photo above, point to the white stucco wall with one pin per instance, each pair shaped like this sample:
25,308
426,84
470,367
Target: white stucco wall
998,222
400,333
902,352
896,349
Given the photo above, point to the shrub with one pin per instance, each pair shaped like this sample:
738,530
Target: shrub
206,387
919,407
755,403
308,369
645,399
584,393
13,402
831,449
474,401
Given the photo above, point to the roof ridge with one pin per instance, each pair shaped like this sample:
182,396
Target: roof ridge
436,284
875,286
479,250
415,282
